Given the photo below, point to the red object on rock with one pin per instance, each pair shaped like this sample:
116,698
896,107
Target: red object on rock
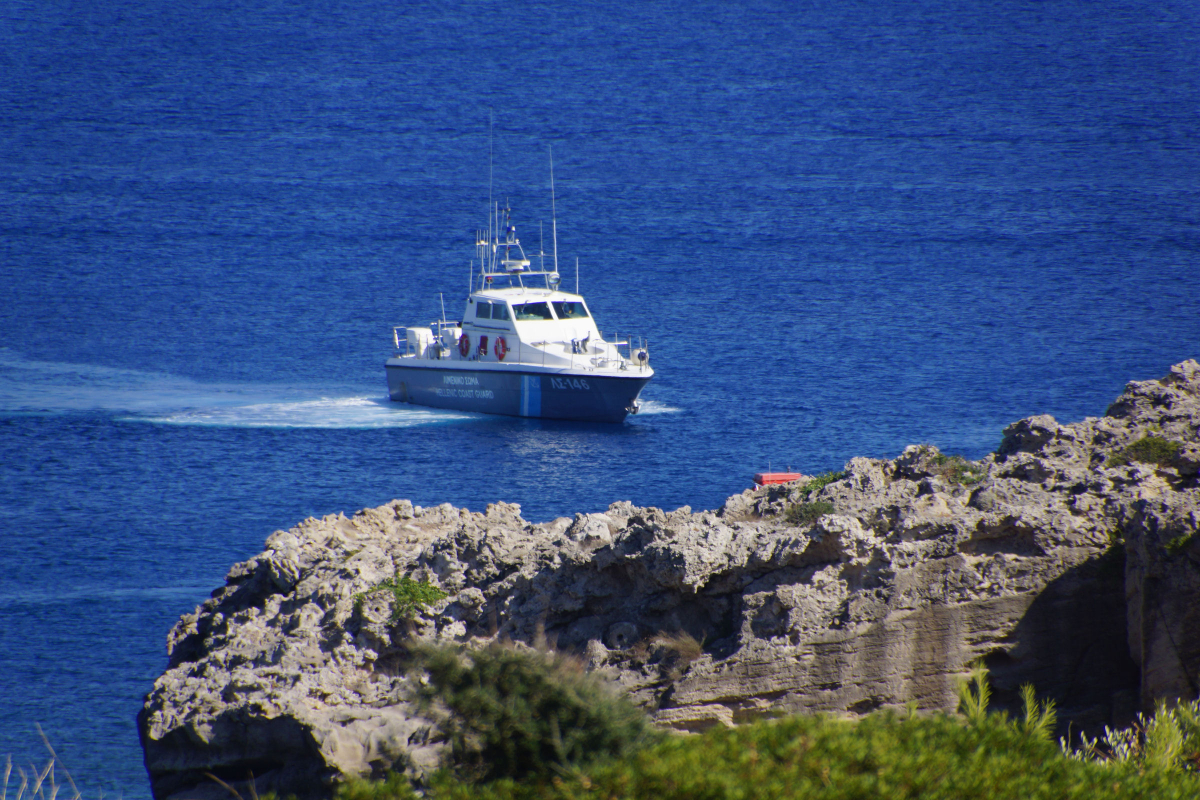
765,478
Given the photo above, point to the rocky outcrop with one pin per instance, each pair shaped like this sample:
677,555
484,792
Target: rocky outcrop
1048,559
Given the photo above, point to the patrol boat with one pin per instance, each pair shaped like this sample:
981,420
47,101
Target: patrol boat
523,348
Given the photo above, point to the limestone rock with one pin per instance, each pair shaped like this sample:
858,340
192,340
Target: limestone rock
1057,569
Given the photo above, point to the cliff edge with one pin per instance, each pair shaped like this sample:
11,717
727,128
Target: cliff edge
1070,558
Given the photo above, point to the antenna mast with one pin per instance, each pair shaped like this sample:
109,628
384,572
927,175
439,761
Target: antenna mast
553,213
491,162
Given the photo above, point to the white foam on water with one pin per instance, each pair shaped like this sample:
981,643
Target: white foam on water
41,597
46,387
325,412
655,407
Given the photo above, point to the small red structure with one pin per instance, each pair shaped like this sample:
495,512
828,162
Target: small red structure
766,478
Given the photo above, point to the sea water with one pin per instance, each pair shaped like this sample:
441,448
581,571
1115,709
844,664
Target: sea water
844,227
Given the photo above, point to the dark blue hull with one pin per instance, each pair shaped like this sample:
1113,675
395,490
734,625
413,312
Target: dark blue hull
546,395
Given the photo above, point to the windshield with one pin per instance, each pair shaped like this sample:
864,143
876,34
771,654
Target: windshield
570,309
528,311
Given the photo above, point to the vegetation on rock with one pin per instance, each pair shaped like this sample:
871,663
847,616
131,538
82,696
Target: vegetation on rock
409,596
515,712
819,482
1181,542
885,755
1167,740
957,469
980,754
1147,450
808,513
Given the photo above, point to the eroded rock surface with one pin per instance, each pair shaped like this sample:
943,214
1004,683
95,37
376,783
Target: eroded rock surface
1053,566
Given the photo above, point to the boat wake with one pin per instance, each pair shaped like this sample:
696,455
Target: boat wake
326,412
47,388
655,407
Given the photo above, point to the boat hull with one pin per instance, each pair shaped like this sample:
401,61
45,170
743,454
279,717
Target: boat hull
585,397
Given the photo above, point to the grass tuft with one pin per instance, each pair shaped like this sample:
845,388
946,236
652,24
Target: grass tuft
39,784
957,469
807,512
1147,450
803,514
819,482
681,650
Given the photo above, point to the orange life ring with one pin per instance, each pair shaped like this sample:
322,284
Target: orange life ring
501,348
464,345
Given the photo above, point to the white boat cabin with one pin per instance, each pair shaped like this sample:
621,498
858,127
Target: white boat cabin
508,322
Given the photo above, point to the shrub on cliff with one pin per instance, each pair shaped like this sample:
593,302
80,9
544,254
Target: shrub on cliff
804,514
981,755
1148,450
408,596
1167,740
510,712
885,756
957,469
818,483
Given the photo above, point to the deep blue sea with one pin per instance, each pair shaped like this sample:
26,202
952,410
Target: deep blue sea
844,227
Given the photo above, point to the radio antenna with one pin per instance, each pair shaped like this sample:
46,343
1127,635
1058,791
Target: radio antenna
553,213
576,274
491,125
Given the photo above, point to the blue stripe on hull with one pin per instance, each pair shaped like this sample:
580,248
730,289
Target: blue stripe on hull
531,395
587,398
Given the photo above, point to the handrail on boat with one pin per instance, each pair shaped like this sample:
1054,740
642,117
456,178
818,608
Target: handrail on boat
629,350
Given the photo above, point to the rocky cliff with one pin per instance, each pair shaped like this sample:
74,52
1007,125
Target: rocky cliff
1068,559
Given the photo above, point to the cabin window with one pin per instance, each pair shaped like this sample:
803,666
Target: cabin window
527,311
570,309
483,310
499,311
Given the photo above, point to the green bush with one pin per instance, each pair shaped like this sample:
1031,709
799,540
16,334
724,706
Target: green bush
805,512
819,482
884,756
980,755
514,712
393,787
1148,450
808,513
957,469
409,596
1168,740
